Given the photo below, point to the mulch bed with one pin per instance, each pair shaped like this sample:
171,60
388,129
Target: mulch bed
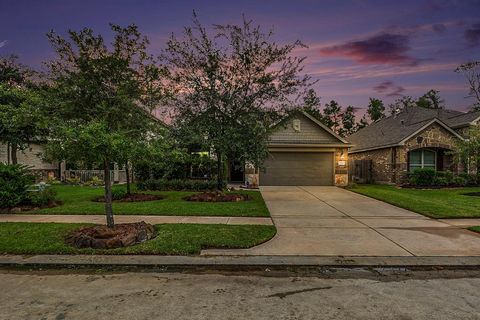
473,194
103,237
217,197
134,197
31,208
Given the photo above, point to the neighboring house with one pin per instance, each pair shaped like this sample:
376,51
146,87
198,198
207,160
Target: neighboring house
303,151
414,138
31,157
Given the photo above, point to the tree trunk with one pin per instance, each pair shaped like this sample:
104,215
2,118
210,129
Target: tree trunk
108,194
127,176
219,172
13,152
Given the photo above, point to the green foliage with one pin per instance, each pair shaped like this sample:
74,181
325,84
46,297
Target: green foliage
178,185
94,182
14,181
430,177
118,193
21,118
332,115
431,100
468,150
41,198
311,105
52,180
239,82
422,177
73,180
348,122
104,120
376,109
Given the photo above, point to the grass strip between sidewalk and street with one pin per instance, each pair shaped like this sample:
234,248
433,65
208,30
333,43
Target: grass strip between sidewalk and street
171,239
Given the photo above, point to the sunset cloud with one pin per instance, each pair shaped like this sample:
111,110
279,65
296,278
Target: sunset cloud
3,43
472,35
383,48
389,88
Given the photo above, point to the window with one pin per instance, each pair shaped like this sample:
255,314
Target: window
422,159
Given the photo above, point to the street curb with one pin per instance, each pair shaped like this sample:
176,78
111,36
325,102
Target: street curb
237,263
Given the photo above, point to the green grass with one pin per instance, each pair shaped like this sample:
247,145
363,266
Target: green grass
78,200
475,229
172,239
435,203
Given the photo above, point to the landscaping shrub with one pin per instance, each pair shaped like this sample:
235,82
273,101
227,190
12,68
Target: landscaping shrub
470,179
422,177
118,194
459,181
73,180
178,185
14,181
41,198
94,182
53,180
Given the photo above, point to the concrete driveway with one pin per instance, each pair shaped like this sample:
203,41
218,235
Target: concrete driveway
315,220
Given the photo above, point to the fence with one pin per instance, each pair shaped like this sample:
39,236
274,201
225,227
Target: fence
360,171
87,175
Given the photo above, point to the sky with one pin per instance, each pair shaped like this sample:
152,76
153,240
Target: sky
356,49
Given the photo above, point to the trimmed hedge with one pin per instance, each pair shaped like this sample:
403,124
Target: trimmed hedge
430,177
178,185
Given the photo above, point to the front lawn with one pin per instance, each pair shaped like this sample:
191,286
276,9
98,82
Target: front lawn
172,239
78,200
475,229
437,203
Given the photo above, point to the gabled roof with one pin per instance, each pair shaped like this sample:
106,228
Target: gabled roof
335,137
395,130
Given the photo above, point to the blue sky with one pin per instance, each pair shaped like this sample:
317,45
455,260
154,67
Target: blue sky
356,49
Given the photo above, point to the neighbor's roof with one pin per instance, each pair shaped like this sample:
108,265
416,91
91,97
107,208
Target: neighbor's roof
393,130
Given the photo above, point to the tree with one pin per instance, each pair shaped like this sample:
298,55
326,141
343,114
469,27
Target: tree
332,115
376,109
20,106
349,125
431,100
401,104
472,73
468,150
96,98
311,105
13,73
231,85
363,123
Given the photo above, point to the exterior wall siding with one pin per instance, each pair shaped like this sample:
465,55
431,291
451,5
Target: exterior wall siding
31,157
309,132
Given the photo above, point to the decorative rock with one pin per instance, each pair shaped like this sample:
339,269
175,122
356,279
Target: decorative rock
103,237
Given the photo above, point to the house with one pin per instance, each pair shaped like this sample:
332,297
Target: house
31,157
303,151
413,138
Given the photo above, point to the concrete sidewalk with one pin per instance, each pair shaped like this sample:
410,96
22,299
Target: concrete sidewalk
330,221
134,218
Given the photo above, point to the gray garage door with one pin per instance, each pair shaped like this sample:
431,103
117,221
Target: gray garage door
298,168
